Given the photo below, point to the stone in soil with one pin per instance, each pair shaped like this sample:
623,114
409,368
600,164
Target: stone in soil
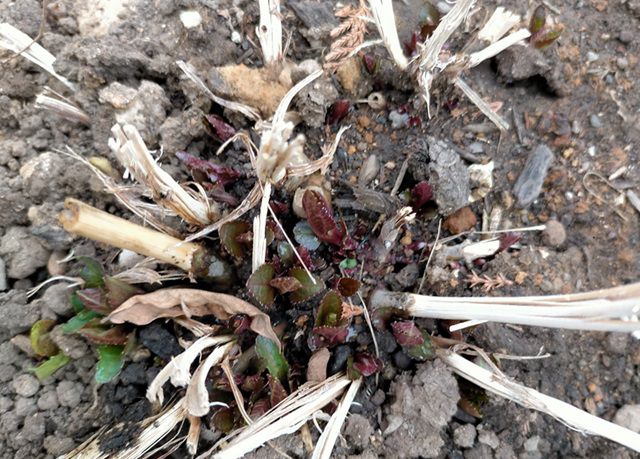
23,252
69,393
314,100
422,406
56,298
461,220
464,436
358,431
26,385
628,416
17,315
448,176
554,235
529,183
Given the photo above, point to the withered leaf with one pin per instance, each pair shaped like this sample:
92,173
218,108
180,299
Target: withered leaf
285,284
176,302
317,367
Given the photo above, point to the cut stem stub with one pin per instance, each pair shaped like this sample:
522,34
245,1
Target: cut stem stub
84,220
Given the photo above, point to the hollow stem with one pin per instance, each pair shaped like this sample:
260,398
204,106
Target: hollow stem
530,398
602,310
87,221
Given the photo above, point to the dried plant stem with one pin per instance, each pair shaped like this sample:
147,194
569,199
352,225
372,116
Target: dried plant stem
269,31
285,418
497,47
530,398
327,440
382,11
430,52
87,221
602,310
259,230
50,100
481,104
19,42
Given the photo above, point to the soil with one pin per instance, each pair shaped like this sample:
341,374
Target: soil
577,97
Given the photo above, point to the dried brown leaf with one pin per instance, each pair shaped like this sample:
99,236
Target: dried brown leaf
143,309
317,367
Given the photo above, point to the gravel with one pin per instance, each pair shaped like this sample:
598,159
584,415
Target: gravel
26,385
464,436
69,393
628,416
24,252
48,401
17,315
25,406
529,183
554,235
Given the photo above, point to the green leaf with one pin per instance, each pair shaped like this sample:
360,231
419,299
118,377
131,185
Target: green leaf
76,304
305,236
330,311
50,366
110,363
258,284
547,37
91,273
308,289
538,20
118,291
41,342
285,252
229,233
79,320
424,351
272,358
348,263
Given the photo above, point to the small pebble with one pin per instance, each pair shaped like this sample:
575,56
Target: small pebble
26,385
464,436
626,36
554,235
476,148
401,360
622,63
398,120
443,7
595,121
69,393
592,57
591,151
489,438
529,183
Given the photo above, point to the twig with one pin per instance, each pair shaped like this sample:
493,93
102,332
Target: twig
433,249
20,43
269,31
613,309
61,106
382,11
530,398
481,104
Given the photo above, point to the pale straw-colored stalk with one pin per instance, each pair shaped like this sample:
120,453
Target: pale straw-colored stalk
326,442
84,220
285,418
613,309
130,150
17,41
269,31
52,101
382,11
568,414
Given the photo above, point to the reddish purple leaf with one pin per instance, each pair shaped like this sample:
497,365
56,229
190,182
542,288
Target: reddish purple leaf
240,324
278,392
381,316
507,240
330,336
338,111
221,129
118,291
215,173
285,284
321,219
93,299
407,333
367,364
229,237
259,408
218,194
99,333
253,383
421,194
348,286
410,47
371,62
306,257
258,284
